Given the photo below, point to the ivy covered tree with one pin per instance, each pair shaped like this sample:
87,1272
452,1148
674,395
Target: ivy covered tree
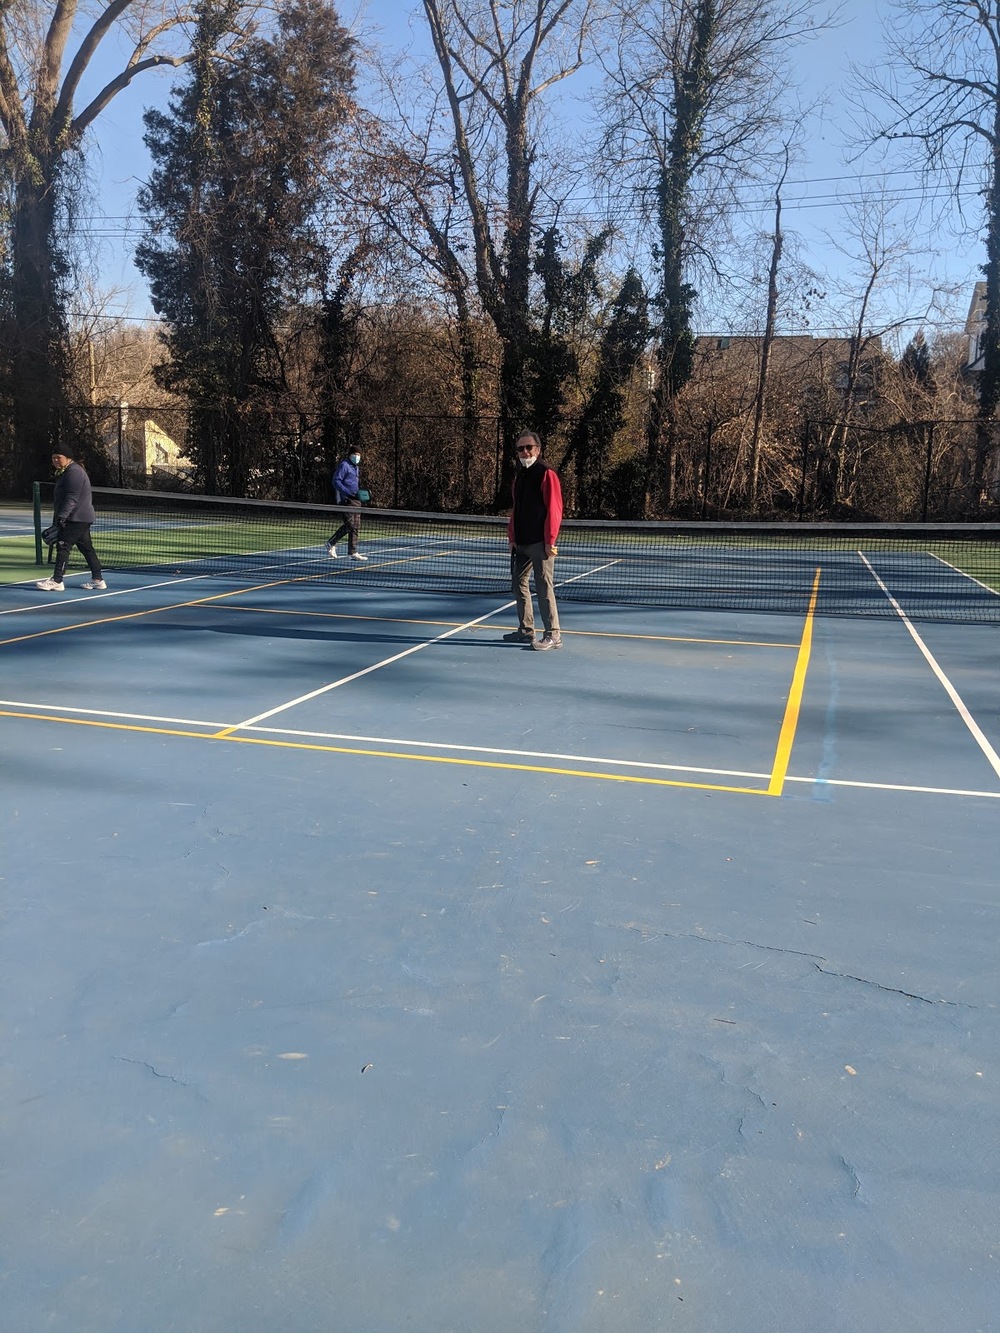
567,300
234,208
497,63
624,338
693,100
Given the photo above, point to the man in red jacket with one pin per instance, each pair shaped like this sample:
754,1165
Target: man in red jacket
532,531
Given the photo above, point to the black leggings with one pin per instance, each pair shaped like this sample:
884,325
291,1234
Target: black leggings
350,528
78,535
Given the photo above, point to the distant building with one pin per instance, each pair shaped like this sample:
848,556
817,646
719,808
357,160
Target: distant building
140,449
975,331
816,363
160,452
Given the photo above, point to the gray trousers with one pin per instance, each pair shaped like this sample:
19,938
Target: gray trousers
525,561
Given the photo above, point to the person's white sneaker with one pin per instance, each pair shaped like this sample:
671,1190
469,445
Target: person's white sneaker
356,555
94,583
50,585
331,551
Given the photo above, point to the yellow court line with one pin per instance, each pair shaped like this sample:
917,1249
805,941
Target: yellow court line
225,738
160,610
576,633
790,721
202,601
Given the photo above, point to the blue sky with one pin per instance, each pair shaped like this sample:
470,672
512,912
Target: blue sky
818,185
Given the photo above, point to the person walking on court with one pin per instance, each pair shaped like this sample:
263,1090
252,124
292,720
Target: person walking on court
346,483
72,515
532,531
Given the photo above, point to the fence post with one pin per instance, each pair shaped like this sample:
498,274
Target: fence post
709,429
928,470
36,509
395,462
121,442
805,464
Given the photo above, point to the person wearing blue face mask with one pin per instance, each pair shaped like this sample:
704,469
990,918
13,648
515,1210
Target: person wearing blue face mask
346,484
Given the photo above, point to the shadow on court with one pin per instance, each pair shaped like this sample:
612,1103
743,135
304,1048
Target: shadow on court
307,1028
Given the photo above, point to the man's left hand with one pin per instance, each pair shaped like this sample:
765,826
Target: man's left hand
549,552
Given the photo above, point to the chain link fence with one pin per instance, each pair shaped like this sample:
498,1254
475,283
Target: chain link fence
817,469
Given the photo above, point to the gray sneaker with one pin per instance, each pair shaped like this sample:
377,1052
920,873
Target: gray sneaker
547,641
519,636
94,583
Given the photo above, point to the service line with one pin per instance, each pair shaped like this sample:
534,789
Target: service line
992,758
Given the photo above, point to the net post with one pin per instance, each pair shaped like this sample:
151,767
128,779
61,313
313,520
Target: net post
36,514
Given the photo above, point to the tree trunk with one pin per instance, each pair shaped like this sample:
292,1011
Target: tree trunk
989,379
516,292
469,362
768,341
38,356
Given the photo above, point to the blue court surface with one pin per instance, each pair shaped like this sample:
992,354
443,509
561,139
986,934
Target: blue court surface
363,972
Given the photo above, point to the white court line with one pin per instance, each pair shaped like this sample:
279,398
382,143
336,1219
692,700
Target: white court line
897,786
486,750
366,671
992,758
397,657
211,574
121,717
94,596
509,754
143,587
379,740
964,573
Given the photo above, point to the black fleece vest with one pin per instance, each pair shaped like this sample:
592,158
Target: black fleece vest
529,506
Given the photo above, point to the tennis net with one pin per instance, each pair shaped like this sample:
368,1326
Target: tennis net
928,571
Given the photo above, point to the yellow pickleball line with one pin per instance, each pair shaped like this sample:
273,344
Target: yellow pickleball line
387,754
154,610
197,601
790,721
577,633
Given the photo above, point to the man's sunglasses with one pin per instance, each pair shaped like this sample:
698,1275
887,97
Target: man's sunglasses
525,448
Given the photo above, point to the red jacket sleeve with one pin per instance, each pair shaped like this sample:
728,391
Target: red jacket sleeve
552,495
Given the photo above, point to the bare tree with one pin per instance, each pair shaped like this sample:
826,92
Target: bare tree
770,323
498,60
939,89
411,185
693,107
880,293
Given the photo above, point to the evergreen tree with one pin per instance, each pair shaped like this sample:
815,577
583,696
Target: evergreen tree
916,360
567,298
625,337
233,210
